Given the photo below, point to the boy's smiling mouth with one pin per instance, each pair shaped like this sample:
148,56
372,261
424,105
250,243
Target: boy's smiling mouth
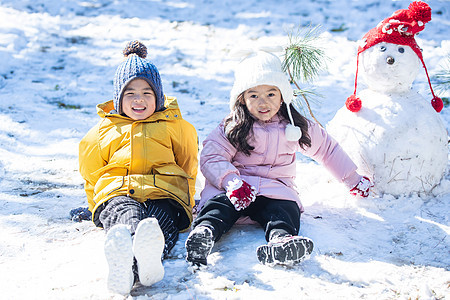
139,109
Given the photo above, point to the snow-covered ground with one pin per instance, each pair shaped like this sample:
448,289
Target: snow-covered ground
57,62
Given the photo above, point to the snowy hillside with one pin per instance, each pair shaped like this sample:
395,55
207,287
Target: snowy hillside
57,62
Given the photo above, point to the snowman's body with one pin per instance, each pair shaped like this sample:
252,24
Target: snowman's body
397,138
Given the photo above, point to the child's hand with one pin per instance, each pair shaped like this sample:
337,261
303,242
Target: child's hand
240,193
362,188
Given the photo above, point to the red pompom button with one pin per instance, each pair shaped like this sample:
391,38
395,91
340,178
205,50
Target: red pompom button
353,103
437,104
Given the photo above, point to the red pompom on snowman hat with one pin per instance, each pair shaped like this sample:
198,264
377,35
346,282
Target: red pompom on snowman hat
399,29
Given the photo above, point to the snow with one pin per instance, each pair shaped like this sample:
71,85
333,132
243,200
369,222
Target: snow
58,60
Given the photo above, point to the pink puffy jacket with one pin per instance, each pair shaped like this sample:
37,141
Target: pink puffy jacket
271,166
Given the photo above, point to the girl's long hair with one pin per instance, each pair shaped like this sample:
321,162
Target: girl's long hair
239,125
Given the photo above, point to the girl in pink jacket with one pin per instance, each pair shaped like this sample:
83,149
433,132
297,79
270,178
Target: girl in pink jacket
249,163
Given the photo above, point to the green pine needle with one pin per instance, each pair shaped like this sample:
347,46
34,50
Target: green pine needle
304,60
299,102
442,78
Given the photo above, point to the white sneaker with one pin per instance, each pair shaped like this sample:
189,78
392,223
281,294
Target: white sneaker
148,246
120,258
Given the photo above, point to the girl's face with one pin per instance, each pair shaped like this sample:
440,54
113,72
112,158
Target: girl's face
139,100
263,101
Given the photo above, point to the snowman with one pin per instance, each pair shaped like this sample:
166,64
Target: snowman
392,133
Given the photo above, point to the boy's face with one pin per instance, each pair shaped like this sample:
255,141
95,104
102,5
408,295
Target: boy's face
263,101
139,100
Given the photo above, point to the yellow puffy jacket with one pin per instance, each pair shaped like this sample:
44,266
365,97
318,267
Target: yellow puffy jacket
149,159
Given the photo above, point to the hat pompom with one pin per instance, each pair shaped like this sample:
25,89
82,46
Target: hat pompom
135,47
353,103
293,133
419,11
437,104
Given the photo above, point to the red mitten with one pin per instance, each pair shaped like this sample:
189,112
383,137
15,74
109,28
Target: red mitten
240,193
362,188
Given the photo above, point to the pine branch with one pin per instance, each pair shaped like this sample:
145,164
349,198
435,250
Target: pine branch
303,60
302,92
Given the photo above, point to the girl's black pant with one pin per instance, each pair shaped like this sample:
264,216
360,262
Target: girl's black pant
277,217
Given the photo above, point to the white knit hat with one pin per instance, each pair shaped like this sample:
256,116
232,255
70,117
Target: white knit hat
263,68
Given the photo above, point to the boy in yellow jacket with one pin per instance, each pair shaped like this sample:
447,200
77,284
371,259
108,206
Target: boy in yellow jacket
139,164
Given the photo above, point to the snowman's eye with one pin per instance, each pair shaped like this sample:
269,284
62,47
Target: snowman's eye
401,49
382,48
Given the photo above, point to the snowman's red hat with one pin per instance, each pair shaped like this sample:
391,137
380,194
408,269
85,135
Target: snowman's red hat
399,29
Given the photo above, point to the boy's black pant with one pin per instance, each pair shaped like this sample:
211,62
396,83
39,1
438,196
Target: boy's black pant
277,217
125,210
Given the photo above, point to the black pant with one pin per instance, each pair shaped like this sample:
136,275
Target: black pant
125,210
275,216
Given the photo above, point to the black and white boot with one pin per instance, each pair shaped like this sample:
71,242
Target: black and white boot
285,250
198,245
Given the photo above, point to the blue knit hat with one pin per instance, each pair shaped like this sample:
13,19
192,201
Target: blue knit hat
136,66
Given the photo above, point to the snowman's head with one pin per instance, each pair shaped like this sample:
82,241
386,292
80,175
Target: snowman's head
389,68
389,57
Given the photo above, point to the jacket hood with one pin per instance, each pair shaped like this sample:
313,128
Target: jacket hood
172,111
